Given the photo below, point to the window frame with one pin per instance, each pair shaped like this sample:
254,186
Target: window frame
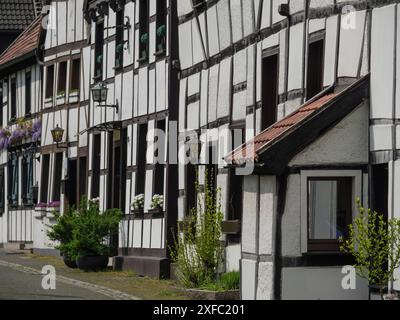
13,98
119,38
13,183
27,179
28,93
44,178
313,39
49,85
357,192
99,48
144,22
74,86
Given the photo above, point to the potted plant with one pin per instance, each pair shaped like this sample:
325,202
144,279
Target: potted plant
161,31
138,206
144,39
62,232
90,230
118,55
157,203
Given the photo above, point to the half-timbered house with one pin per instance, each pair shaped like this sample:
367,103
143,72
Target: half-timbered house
20,105
331,139
132,52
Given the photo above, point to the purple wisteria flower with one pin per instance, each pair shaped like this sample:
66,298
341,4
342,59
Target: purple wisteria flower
36,131
54,204
41,205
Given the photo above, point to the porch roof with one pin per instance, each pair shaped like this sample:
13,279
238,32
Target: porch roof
275,146
103,127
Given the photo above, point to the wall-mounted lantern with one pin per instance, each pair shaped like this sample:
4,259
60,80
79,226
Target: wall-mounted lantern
57,133
99,94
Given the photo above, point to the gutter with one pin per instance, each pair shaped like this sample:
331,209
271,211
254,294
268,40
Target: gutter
18,60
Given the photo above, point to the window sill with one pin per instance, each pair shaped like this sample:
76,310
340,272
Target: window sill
160,53
143,60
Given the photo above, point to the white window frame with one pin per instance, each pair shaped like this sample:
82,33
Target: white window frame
305,175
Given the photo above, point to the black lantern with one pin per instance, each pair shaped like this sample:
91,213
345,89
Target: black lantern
99,94
57,134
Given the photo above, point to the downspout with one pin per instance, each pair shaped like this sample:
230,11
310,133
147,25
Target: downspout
306,14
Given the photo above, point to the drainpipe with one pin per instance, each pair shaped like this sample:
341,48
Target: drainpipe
306,14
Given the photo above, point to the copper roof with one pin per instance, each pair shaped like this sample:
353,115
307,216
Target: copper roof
249,152
27,42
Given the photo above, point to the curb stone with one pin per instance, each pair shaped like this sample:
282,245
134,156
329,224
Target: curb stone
112,293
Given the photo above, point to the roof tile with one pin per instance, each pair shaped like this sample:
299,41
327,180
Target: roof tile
26,42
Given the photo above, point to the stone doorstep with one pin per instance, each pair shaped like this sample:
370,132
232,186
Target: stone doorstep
17,247
154,267
198,294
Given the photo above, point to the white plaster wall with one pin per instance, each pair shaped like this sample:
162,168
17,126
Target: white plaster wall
250,203
319,283
347,142
382,60
291,219
267,220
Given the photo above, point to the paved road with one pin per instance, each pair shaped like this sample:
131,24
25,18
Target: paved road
17,285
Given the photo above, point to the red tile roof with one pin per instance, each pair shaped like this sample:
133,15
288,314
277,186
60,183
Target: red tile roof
249,152
26,42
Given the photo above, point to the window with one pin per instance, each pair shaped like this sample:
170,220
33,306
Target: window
82,177
50,82
315,68
27,179
44,179
96,166
28,93
141,161
98,51
161,27
62,78
2,189
13,99
75,76
119,39
143,31
269,90
236,181
13,180
211,172
329,211
57,176
190,187
159,166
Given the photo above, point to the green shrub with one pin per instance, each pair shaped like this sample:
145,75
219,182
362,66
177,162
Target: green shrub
198,250
83,231
62,232
375,245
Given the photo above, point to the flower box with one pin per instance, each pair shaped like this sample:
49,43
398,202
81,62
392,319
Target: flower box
156,213
138,214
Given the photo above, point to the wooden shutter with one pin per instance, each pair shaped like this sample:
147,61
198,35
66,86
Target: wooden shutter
14,186
29,179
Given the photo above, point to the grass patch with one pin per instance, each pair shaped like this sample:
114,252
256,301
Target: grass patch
227,281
